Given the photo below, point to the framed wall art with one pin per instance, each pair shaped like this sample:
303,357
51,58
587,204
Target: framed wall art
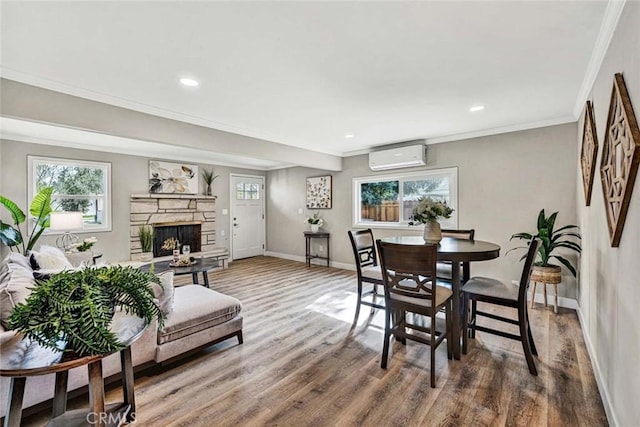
620,158
172,178
319,192
589,152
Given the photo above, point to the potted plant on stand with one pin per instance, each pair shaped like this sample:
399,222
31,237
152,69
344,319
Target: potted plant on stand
145,233
550,241
427,212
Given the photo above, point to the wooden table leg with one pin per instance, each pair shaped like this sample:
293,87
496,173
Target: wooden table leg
127,383
545,294
96,392
60,394
16,394
456,315
555,289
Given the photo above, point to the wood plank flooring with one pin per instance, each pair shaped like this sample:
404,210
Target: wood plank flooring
302,364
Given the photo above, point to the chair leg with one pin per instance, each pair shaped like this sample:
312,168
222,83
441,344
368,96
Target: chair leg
465,324
402,324
449,331
474,308
355,318
533,293
387,337
524,338
433,350
530,335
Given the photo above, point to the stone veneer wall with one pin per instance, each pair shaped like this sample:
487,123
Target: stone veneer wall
149,209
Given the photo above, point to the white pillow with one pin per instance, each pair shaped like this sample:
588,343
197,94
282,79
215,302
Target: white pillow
50,258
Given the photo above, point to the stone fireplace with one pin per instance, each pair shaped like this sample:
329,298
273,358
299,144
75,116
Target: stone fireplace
187,217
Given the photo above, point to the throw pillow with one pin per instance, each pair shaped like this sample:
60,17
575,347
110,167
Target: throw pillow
16,282
165,293
50,258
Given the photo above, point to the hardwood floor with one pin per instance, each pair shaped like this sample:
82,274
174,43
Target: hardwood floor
302,365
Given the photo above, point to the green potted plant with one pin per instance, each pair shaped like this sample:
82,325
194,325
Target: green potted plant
72,310
315,222
145,233
551,240
40,208
208,177
427,212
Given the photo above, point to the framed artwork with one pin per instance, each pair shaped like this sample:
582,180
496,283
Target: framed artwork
319,192
589,152
170,178
620,158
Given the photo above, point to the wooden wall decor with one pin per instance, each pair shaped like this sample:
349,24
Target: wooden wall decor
589,152
620,158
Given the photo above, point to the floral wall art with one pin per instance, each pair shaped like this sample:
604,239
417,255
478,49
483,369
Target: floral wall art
166,177
319,192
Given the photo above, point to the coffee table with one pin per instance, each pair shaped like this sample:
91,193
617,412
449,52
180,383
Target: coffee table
203,265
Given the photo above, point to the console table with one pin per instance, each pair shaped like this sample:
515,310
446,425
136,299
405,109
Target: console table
308,235
21,358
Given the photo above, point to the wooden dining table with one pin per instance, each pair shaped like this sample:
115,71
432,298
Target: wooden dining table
458,251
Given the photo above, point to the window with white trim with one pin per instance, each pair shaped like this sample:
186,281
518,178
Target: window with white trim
388,200
78,186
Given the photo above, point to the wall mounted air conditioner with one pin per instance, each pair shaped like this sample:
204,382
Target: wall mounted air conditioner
395,158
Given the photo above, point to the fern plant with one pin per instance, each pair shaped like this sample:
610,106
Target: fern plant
40,208
72,310
551,239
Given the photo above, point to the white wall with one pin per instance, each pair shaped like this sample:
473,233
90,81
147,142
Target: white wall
503,180
129,174
609,294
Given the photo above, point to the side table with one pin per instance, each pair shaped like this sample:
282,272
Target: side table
21,358
308,235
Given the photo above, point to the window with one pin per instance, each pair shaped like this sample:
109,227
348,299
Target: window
247,191
388,201
79,186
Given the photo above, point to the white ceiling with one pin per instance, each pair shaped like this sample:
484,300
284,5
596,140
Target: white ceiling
307,73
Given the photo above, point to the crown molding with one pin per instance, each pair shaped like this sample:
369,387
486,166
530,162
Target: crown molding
607,29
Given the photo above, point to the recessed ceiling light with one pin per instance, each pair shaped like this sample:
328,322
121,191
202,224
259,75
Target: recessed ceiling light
349,135
476,108
186,81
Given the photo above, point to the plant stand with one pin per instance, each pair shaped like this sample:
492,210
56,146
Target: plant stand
546,276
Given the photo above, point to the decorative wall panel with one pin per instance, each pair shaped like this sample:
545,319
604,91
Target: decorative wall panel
589,152
620,158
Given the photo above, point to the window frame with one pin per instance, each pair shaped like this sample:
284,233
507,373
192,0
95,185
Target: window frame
451,173
33,161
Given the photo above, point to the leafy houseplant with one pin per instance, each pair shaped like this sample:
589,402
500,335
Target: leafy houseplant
314,221
427,212
145,233
40,208
86,244
76,308
551,240
208,177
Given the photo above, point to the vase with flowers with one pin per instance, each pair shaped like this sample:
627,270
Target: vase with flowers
315,222
427,212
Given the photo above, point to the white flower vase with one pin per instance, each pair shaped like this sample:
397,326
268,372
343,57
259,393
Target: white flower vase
432,232
315,228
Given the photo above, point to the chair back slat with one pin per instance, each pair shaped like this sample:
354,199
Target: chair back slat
408,270
460,234
364,249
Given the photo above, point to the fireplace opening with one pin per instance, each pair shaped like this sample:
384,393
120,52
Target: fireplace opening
185,233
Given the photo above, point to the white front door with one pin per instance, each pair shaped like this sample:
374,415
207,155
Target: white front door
247,216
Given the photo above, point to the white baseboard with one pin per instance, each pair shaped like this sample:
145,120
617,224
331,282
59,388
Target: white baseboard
602,386
298,258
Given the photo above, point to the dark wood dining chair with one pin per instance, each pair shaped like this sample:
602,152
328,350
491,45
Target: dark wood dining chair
369,273
409,273
444,267
507,295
